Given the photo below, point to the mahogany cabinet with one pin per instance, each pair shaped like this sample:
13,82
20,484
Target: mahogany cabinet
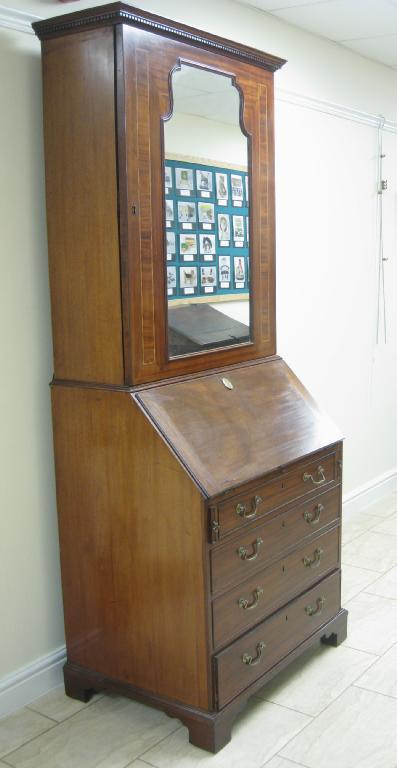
198,485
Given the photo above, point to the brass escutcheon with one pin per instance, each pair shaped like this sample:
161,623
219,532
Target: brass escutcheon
257,594
306,477
243,552
313,562
241,509
251,661
313,517
315,611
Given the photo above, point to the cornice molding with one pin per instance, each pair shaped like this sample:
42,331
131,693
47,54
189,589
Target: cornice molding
336,110
120,13
20,21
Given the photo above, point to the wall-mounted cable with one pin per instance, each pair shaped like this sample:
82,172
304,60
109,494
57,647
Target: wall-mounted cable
382,187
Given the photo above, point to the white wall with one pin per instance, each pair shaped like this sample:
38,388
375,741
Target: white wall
30,599
326,199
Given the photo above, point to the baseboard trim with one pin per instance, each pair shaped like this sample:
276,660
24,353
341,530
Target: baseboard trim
28,683
370,493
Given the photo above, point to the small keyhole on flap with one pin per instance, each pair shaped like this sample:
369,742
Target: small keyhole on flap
286,618
283,524
282,484
133,209
283,568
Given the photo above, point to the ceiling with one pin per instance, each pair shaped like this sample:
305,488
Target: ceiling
368,27
205,94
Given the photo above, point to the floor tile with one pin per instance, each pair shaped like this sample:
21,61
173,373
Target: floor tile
388,526
258,734
374,551
357,731
382,677
383,508
58,706
354,526
354,580
20,727
110,733
281,762
310,683
372,623
385,586
136,764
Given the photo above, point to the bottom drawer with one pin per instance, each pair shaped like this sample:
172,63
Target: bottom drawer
256,652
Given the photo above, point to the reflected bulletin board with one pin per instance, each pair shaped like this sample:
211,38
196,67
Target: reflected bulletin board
207,231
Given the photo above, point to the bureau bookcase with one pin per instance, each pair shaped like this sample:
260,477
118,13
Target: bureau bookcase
198,484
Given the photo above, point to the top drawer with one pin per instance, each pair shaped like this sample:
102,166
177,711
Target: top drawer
318,473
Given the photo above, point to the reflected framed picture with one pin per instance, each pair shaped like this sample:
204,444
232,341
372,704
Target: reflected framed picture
238,227
171,242
187,244
237,187
239,269
167,176
171,277
224,269
169,210
206,213
207,244
221,186
204,181
208,276
186,212
188,277
224,226
184,178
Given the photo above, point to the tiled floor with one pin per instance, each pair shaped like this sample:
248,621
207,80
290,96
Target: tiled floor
333,708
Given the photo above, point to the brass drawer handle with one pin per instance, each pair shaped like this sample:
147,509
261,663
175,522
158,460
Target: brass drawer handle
315,611
313,562
243,552
243,603
241,509
312,518
320,472
252,661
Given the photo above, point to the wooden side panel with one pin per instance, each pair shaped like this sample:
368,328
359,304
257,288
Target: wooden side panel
79,126
132,548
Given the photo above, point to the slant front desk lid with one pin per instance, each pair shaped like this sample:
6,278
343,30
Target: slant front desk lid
230,428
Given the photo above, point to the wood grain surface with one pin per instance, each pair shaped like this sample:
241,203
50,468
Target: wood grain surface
278,584
229,437
81,186
132,535
233,675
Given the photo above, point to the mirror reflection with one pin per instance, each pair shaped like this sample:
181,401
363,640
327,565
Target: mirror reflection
206,214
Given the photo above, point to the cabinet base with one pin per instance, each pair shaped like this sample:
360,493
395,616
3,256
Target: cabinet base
208,730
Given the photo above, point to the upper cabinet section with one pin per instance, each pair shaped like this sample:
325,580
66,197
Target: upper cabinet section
160,208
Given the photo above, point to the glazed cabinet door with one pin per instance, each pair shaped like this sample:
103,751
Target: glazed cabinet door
147,66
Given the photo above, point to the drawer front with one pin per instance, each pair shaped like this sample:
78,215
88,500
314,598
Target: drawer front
238,610
251,656
238,559
299,480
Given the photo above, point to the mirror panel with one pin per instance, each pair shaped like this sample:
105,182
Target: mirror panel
206,239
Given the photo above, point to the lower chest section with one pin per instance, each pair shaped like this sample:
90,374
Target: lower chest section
273,570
